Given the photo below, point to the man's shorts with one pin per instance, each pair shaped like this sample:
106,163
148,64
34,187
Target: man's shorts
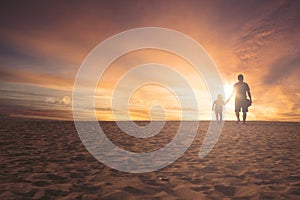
241,104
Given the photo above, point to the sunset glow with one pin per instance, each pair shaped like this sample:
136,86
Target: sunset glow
42,50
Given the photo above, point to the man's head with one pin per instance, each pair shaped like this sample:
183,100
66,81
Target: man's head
240,77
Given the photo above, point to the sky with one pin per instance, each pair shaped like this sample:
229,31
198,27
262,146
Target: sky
44,43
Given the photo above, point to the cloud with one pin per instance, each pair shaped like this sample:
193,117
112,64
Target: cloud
283,68
34,109
268,35
35,78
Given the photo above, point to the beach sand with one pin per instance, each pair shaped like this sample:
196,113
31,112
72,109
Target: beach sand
47,160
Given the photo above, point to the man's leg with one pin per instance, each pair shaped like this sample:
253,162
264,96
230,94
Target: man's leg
221,116
237,114
244,110
237,110
244,117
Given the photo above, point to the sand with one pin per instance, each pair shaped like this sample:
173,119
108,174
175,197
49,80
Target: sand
46,160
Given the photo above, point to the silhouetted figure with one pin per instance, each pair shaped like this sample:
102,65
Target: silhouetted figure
218,106
241,90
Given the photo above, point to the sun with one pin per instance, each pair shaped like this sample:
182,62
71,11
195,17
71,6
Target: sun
66,100
228,88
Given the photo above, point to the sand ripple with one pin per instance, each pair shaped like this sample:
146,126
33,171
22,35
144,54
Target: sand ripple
46,160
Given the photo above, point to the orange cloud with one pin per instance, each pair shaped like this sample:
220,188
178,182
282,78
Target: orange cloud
35,78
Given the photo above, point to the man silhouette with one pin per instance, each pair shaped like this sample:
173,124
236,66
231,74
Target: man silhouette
241,90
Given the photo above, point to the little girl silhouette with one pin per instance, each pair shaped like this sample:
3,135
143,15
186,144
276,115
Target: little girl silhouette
218,106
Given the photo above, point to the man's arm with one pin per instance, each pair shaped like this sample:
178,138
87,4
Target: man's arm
249,95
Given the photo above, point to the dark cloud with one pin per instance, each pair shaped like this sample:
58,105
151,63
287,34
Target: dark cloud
24,108
283,68
280,22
